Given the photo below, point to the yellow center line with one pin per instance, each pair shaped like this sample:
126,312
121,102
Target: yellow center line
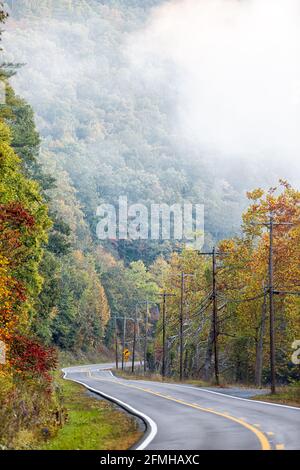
280,447
264,442
208,409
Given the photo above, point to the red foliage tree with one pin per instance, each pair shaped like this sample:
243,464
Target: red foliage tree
30,358
14,219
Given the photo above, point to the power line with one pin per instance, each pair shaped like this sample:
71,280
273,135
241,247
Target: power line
214,255
116,345
134,340
124,340
181,347
281,292
249,299
164,295
270,225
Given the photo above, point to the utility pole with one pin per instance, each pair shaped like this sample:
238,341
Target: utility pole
163,370
116,344
139,341
181,319
147,303
215,318
124,339
134,340
270,225
260,344
146,336
271,305
214,255
181,328
164,321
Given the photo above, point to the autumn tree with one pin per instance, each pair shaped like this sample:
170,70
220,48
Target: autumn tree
242,300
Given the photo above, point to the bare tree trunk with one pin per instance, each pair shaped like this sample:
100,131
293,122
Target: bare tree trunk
186,364
196,360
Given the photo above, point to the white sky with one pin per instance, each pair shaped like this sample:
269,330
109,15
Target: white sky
238,82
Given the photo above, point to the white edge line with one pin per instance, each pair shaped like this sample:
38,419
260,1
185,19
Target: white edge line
150,424
199,389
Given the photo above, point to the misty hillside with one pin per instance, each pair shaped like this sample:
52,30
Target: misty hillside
107,127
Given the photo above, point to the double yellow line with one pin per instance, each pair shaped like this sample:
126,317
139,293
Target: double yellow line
264,442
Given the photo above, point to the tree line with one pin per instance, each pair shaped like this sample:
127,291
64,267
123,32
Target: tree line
217,303
51,295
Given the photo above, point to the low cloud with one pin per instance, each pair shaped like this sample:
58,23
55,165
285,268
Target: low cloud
234,71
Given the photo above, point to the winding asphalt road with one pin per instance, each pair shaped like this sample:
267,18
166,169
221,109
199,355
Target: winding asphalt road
183,417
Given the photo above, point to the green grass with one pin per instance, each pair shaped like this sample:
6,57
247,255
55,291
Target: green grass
92,424
288,395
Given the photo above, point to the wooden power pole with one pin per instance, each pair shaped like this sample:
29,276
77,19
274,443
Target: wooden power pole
146,336
214,255
271,305
124,340
116,345
215,317
134,340
181,329
181,321
164,328
270,225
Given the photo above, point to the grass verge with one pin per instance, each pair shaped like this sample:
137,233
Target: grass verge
92,424
288,395
139,375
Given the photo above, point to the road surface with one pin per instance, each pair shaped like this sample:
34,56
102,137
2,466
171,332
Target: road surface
183,417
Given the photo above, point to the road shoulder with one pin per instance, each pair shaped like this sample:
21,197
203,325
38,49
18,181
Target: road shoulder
92,424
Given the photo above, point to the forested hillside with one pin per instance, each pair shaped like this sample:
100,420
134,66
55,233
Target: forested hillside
85,120
61,259
50,291
104,129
